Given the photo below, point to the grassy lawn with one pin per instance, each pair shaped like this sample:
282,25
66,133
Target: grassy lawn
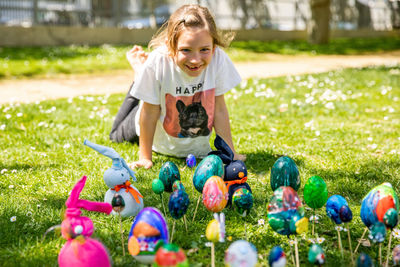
343,126
49,61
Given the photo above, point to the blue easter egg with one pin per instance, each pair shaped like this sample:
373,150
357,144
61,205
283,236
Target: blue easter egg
191,161
277,257
178,204
210,166
334,208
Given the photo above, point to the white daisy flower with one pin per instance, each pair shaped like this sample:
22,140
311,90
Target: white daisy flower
339,228
396,233
13,218
261,222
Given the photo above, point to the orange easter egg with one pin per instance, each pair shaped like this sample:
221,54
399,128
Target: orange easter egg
215,194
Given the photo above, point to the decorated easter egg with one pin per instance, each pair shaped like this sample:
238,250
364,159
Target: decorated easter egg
178,186
284,172
129,196
241,254
148,232
315,192
169,173
178,204
243,201
286,213
157,186
191,161
338,209
377,202
90,253
364,261
377,232
215,194
316,255
118,203
277,257
170,255
212,231
391,218
210,166
396,255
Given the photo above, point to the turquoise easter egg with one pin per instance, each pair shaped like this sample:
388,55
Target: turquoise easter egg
284,172
210,166
169,173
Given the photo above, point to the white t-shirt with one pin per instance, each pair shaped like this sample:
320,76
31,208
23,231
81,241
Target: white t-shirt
187,103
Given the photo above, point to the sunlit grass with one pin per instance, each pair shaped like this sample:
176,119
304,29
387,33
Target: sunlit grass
50,61
343,126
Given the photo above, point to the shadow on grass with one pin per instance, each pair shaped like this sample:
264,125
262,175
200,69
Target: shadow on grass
23,167
355,184
261,162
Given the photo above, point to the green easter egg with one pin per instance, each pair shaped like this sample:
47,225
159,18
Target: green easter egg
210,166
284,172
391,218
315,192
243,201
316,255
157,186
169,173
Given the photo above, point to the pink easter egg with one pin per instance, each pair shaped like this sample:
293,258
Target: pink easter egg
215,194
85,252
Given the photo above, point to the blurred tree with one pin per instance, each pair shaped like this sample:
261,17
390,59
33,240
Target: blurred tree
364,14
318,26
394,6
150,6
343,13
255,13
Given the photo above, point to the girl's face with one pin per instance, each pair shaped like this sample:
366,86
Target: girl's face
194,51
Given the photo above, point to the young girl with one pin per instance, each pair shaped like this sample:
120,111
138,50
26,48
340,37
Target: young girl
181,86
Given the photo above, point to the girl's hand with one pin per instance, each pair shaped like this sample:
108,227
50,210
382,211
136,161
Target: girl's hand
146,163
136,57
239,157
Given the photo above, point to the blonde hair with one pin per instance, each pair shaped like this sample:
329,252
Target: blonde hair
185,17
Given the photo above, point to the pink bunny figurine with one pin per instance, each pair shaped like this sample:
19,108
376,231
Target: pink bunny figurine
81,250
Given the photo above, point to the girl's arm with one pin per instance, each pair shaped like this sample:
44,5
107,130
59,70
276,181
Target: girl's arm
222,126
147,121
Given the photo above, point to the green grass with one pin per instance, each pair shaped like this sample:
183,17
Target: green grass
50,61
343,126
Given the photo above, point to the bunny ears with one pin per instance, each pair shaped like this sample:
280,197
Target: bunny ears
74,202
224,151
112,154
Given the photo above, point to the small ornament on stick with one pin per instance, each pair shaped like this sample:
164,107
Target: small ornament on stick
241,254
178,204
315,194
277,257
286,214
215,232
210,166
118,205
158,188
316,255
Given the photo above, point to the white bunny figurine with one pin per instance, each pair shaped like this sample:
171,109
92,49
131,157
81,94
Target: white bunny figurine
117,178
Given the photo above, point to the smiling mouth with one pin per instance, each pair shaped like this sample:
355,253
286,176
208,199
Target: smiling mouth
193,68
